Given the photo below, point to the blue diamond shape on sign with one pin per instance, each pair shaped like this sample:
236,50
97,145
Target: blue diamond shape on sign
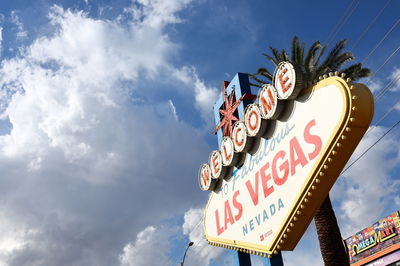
237,89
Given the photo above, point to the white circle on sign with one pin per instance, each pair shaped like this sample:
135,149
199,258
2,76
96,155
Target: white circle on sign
215,163
205,177
252,119
239,136
284,80
227,151
267,101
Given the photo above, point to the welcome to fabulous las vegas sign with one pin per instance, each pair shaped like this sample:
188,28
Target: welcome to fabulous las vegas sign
280,153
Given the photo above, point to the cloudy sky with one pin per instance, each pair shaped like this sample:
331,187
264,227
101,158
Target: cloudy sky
106,115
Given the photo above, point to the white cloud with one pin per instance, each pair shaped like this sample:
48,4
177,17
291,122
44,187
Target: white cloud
307,251
395,76
150,248
364,191
1,39
375,85
158,13
202,252
21,32
397,106
173,109
205,97
88,164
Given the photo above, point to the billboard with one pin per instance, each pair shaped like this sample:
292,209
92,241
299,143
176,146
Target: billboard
379,236
277,163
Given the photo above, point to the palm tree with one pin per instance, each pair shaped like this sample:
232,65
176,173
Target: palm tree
311,62
330,240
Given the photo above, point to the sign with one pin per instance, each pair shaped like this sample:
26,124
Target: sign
386,260
290,146
377,237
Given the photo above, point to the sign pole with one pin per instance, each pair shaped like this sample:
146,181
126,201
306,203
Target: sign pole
275,260
243,259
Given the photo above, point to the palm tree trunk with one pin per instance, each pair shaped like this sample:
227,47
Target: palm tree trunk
330,240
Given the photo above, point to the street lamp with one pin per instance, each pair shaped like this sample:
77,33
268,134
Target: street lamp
184,255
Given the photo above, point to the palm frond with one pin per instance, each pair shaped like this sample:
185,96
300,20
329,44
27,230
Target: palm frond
309,60
321,52
255,85
285,56
295,45
272,59
356,71
335,52
260,81
300,59
276,53
264,72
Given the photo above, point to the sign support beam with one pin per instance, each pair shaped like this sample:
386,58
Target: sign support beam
275,260
243,259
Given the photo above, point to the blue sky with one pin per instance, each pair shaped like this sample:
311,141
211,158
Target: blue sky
106,115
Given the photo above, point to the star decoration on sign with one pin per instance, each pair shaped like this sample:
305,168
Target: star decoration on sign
228,116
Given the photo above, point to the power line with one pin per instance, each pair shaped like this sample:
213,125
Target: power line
340,20
384,63
370,147
194,228
344,22
387,59
382,40
387,87
382,117
370,25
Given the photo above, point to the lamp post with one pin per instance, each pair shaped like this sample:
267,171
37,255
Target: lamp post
184,255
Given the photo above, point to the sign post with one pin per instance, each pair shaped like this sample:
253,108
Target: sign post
281,150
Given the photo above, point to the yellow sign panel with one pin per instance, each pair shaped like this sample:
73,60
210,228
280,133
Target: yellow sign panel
268,202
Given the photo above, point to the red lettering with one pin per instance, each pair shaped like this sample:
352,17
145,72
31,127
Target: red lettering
215,164
253,192
237,205
391,230
220,230
236,137
283,81
227,156
295,150
283,167
228,215
253,127
267,106
264,179
206,176
312,139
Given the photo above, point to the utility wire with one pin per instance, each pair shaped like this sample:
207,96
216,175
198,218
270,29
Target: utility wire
341,19
370,25
344,22
387,87
387,60
370,147
381,41
384,63
194,228
382,117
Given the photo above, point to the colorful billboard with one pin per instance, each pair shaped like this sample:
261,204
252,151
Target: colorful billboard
278,159
379,236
